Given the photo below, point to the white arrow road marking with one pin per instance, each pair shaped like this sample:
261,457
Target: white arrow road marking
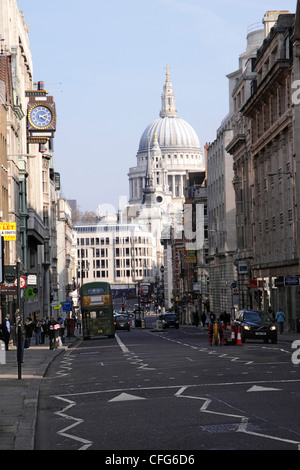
256,388
126,397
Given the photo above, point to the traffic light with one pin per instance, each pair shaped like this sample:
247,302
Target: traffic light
123,308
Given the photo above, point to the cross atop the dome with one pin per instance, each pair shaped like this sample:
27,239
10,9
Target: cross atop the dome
167,73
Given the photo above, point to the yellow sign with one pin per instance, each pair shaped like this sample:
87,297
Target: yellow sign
8,230
95,300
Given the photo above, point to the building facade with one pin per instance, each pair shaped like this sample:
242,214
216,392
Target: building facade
265,167
121,254
28,180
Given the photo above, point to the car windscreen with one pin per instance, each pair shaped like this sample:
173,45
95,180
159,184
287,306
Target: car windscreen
121,317
256,317
170,317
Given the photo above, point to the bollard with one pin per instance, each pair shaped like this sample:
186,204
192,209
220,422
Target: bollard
19,352
210,334
216,334
2,353
221,334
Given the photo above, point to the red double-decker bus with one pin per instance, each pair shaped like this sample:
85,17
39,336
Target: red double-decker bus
145,292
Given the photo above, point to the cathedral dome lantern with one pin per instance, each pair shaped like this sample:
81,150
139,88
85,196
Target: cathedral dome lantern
171,131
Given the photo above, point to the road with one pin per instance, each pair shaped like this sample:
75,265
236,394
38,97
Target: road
169,390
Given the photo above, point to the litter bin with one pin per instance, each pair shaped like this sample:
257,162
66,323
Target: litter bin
298,325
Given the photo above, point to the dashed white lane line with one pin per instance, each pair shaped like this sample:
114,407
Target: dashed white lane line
131,356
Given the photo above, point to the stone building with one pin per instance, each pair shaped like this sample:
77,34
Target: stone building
265,155
222,207
28,180
118,253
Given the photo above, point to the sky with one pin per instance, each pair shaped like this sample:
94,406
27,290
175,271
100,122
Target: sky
104,63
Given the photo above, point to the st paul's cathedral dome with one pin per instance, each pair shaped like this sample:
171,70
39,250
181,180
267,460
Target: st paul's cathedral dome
174,149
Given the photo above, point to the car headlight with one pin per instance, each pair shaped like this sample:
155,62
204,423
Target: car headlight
246,327
273,328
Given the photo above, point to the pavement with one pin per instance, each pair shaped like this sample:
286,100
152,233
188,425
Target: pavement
19,396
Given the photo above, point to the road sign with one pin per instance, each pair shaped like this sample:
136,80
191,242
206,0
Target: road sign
29,293
67,306
22,282
234,288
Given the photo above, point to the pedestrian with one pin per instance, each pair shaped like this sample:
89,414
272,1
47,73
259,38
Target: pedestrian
271,313
6,330
62,331
208,320
52,332
28,331
280,318
203,318
44,330
20,334
38,332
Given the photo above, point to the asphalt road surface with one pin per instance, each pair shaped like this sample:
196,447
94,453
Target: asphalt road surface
170,391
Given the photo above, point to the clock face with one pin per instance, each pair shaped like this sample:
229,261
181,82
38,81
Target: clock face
40,117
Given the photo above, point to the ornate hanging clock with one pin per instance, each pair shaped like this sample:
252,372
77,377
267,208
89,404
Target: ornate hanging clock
41,116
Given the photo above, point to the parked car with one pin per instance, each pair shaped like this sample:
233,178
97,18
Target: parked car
122,321
256,325
169,320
